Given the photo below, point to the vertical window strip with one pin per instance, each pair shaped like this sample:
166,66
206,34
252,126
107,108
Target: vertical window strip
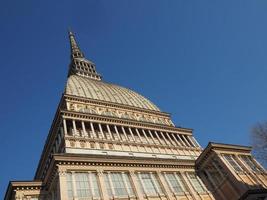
150,184
94,185
69,186
108,186
82,185
195,182
119,187
118,184
86,185
230,159
173,183
156,183
127,183
250,163
180,180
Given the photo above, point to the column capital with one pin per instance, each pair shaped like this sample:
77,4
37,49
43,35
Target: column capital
62,172
132,173
99,172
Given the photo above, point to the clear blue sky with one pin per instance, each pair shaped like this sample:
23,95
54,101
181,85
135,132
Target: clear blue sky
205,62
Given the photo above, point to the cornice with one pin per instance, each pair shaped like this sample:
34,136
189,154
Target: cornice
114,105
111,161
22,185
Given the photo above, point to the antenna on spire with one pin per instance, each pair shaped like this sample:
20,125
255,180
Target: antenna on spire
75,50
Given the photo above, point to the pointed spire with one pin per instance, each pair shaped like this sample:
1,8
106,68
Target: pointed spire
79,64
75,50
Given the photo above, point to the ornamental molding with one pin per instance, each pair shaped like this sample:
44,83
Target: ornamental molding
119,113
61,163
112,105
83,142
115,121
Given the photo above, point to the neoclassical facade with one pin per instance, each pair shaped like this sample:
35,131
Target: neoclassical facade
109,142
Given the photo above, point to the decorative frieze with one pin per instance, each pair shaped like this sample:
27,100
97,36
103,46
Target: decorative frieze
118,113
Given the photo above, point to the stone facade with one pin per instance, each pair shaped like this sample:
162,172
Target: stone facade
109,142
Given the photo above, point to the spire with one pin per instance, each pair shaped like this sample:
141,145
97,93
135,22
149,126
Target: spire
75,50
79,64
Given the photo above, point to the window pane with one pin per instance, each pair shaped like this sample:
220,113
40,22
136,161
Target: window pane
128,184
119,184
173,182
82,185
250,163
86,185
232,162
94,184
195,182
150,183
69,186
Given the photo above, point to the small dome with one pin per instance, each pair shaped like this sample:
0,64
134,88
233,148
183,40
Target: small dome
99,90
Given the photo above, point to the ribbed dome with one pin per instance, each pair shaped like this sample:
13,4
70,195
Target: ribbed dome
99,90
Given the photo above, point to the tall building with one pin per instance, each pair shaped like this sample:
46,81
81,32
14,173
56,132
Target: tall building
109,142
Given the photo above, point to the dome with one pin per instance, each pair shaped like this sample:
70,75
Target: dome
99,90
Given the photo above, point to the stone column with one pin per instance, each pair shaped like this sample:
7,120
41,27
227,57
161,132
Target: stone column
172,142
148,142
139,135
103,189
181,140
165,140
84,130
74,128
132,134
117,132
125,135
175,139
185,139
138,191
191,190
109,132
191,141
101,131
19,195
151,135
166,187
62,178
65,127
158,138
93,130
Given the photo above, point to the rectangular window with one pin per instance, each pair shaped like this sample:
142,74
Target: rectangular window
118,184
82,185
250,163
150,184
86,185
230,159
195,182
175,182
